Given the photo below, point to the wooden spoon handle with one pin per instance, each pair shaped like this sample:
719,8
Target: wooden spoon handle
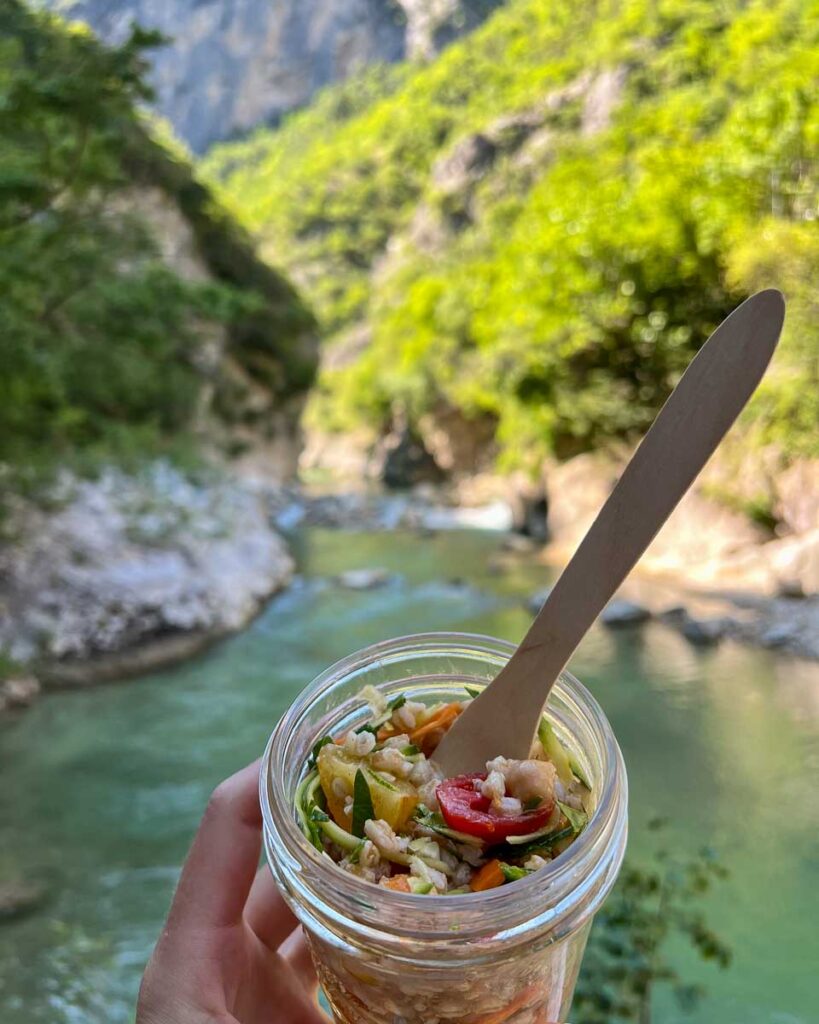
709,397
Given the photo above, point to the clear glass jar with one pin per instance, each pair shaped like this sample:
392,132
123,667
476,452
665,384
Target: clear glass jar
507,955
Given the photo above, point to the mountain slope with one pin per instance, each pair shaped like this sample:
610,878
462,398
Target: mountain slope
230,67
537,230
135,314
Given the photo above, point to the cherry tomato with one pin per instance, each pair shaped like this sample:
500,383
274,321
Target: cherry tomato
466,810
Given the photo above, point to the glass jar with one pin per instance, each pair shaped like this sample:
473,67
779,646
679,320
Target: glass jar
509,954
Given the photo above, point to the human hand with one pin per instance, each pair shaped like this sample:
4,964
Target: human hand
230,952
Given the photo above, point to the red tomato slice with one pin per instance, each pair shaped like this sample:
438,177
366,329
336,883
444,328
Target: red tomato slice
465,810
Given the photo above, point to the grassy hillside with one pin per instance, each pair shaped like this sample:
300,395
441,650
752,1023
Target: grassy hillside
560,287
101,340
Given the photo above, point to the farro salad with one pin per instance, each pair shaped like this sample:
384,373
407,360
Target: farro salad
373,801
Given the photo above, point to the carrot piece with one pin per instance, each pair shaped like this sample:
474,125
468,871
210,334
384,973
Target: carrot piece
490,876
440,720
399,883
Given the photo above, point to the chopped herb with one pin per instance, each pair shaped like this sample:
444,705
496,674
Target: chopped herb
577,819
411,750
512,873
532,804
473,691
362,803
366,728
316,749
397,702
316,814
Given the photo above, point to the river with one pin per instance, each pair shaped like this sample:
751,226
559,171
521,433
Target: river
101,789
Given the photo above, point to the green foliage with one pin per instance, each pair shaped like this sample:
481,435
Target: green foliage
569,286
99,338
626,957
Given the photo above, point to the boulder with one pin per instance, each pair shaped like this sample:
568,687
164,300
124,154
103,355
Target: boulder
797,496
363,579
458,444
18,692
794,563
19,898
705,632
619,613
126,562
782,634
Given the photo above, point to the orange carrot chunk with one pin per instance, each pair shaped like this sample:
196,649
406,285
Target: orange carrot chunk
490,876
440,720
399,883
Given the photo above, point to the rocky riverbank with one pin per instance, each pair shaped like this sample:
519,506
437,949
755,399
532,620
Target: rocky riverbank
124,574
712,574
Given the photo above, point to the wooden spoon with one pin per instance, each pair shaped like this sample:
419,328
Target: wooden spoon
709,397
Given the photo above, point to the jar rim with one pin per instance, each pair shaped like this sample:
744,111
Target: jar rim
559,892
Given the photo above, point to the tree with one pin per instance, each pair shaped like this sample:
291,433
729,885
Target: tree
626,959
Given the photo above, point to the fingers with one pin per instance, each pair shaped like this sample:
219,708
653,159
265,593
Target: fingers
296,953
296,1007
223,858
266,912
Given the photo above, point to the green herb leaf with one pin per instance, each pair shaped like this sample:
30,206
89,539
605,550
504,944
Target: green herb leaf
411,750
362,804
577,819
436,823
397,702
366,728
512,873
473,691
316,749
532,804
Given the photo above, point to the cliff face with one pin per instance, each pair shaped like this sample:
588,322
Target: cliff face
256,372
231,66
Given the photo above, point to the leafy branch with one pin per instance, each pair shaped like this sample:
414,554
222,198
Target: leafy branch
627,958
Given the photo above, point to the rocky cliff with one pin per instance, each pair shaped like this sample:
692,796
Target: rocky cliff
255,373
231,66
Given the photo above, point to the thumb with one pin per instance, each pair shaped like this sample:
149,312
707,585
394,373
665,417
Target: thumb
223,858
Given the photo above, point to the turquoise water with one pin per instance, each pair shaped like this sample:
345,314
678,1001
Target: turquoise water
102,789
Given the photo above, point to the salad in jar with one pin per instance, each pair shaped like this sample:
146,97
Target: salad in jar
373,800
